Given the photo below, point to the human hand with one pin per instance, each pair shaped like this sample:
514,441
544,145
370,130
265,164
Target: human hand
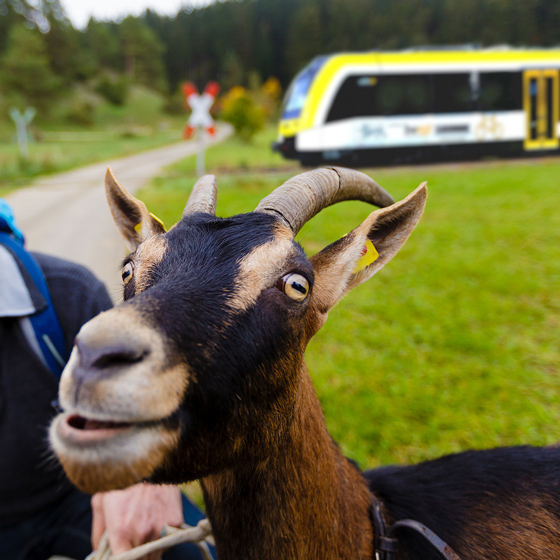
135,516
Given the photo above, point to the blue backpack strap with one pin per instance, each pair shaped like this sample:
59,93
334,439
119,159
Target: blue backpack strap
45,322
8,221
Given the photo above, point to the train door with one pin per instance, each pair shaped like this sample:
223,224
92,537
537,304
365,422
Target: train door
541,104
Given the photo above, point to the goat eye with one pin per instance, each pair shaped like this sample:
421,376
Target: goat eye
127,271
295,286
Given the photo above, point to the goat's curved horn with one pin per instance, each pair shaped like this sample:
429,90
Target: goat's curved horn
203,197
306,194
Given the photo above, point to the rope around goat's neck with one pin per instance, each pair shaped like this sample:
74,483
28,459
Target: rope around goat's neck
199,535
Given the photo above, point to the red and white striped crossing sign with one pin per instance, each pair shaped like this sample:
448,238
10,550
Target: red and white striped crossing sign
200,105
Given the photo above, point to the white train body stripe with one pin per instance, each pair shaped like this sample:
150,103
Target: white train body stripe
414,130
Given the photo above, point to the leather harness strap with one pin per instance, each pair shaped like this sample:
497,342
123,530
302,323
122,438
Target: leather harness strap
386,543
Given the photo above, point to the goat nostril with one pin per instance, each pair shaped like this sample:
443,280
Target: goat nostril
101,357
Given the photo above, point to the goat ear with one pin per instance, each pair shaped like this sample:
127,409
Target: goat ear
359,255
133,220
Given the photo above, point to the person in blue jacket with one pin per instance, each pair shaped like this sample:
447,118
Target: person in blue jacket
41,513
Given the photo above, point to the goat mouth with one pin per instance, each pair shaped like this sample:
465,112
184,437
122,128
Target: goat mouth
78,429
80,423
81,429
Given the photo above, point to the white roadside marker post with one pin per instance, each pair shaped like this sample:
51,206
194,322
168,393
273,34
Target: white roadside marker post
22,121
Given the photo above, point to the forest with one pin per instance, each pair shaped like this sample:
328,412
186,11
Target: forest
240,42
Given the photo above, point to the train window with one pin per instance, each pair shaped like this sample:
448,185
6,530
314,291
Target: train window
500,91
452,93
404,95
354,98
367,96
298,90
390,96
419,94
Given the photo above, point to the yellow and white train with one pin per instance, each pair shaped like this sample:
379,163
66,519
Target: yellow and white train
425,104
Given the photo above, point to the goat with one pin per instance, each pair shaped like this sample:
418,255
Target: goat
200,374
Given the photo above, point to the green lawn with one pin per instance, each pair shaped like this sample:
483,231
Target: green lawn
454,344
235,156
117,131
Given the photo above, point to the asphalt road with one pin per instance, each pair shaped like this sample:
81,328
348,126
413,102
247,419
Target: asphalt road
67,214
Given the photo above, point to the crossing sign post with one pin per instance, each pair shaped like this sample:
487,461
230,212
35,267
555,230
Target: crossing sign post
22,122
200,119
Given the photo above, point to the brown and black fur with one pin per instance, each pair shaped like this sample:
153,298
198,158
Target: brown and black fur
203,365
493,504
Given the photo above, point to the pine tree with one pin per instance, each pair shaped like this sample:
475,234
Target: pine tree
143,53
26,71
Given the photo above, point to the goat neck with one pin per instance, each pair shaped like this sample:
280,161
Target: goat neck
306,501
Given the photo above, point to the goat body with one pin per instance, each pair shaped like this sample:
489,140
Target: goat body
200,374
493,504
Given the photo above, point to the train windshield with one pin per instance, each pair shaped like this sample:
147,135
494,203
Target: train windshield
297,92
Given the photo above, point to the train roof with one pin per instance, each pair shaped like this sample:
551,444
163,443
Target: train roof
448,54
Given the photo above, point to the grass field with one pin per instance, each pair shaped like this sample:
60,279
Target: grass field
236,156
117,131
455,343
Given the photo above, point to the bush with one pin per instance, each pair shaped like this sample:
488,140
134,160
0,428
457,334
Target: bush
81,112
113,89
271,96
175,104
240,109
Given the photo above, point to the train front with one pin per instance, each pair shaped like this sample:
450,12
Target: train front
296,109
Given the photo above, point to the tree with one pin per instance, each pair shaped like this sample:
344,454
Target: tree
68,57
143,53
8,18
304,37
102,38
231,73
26,71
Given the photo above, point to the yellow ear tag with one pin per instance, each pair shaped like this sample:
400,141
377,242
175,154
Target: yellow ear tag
138,227
369,255
158,221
